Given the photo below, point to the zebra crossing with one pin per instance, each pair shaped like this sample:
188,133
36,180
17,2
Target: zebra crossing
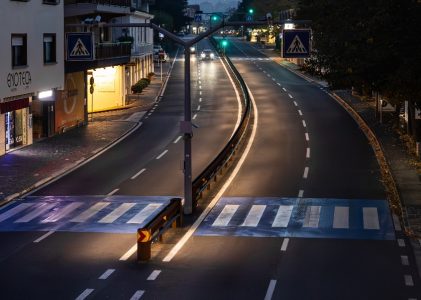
116,214
299,217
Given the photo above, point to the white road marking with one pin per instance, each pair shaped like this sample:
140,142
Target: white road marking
200,87
226,215
278,84
396,222
254,216
90,212
154,275
264,71
162,154
295,103
129,253
285,244
273,79
200,99
106,274
408,280
36,212
62,212
308,153
300,193
113,192
284,89
138,173
300,112
312,217
271,289
141,216
341,217
304,123
15,210
282,216
137,295
195,116
178,139
85,294
371,218
117,213
44,236
228,182
289,95
198,107
401,242
305,175
200,93
405,260
200,82
307,137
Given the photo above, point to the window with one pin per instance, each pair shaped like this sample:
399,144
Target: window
51,2
19,50
49,43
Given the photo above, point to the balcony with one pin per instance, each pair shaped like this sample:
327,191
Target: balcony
74,8
112,50
142,50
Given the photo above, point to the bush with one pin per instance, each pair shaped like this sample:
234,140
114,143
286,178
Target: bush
139,86
147,80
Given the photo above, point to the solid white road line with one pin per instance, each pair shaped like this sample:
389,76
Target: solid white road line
408,280
44,236
117,213
154,275
300,193
129,253
137,295
289,95
106,274
304,123
401,242
215,200
35,213
341,217
282,216
308,153
162,154
195,116
178,139
113,192
271,289
371,218
85,294
307,137
138,173
312,217
405,260
285,244
90,212
305,175
254,215
141,216
226,215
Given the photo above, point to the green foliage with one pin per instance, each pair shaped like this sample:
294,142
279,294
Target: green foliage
140,85
169,13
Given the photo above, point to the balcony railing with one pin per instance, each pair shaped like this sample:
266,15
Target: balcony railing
142,49
112,50
126,3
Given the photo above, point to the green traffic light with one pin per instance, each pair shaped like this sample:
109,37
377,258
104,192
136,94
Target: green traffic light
214,18
251,10
224,43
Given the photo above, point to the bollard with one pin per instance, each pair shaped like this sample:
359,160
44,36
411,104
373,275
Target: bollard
143,244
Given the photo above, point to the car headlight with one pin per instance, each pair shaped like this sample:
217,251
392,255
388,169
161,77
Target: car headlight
192,49
203,55
212,55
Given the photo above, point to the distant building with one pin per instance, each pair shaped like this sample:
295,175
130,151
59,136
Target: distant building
31,68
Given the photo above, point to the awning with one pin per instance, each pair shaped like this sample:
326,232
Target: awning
13,105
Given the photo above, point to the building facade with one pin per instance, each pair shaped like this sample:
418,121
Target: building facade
31,69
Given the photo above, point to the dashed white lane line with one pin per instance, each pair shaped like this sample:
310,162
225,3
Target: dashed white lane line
106,274
300,112
113,192
198,107
195,116
307,137
295,103
271,289
289,95
304,123
284,89
396,222
137,174
84,294
200,82
300,193
200,87
44,236
154,275
405,260
162,154
308,153
285,244
278,84
129,253
200,93
305,175
401,243
177,139
408,280
200,99
137,295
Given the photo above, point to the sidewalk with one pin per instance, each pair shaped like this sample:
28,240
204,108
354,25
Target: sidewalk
26,168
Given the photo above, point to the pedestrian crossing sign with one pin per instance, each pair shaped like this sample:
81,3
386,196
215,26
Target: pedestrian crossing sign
296,43
79,46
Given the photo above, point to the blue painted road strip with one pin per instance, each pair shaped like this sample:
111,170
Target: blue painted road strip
299,217
113,214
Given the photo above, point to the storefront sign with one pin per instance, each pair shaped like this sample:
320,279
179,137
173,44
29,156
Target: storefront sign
18,79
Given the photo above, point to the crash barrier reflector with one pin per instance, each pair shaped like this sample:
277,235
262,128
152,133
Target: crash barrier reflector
171,216
204,180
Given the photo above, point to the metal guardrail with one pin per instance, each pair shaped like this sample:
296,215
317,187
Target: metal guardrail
171,216
204,180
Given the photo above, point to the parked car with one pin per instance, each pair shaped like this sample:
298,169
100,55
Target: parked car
207,54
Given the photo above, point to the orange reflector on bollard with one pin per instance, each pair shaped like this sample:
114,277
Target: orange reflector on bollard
143,235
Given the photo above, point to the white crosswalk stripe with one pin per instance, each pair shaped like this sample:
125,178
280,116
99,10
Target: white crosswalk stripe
57,215
226,215
141,216
14,211
254,215
93,210
341,217
371,218
117,213
312,216
282,216
35,213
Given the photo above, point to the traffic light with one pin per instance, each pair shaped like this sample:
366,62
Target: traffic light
214,18
251,11
224,43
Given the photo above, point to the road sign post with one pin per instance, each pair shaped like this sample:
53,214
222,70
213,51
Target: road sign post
144,242
296,43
